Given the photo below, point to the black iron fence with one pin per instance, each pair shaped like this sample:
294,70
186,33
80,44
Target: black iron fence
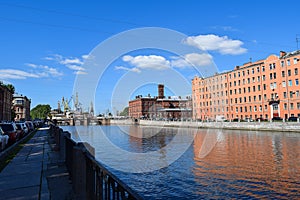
90,179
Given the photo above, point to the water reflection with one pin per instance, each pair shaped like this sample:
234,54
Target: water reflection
218,164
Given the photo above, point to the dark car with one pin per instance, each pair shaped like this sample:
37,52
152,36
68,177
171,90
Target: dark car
10,129
276,119
292,119
261,119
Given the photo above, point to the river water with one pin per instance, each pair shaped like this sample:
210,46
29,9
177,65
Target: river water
182,163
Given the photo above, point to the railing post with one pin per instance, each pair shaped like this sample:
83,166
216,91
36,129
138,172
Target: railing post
79,171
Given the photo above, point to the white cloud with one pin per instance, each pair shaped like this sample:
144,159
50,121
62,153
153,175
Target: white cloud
72,63
148,62
211,42
192,59
128,69
75,67
16,74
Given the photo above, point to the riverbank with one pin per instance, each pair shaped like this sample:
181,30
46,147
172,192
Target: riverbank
252,126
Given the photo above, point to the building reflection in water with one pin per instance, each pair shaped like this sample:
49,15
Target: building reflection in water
256,160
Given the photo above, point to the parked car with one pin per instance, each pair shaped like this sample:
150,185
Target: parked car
261,119
276,119
10,129
3,140
249,119
30,125
20,130
292,119
24,127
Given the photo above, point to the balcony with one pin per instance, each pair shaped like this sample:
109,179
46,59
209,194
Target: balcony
274,101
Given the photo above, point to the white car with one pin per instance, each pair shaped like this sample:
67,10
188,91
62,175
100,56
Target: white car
3,140
24,127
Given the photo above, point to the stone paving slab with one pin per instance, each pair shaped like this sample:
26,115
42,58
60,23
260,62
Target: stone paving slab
36,172
28,193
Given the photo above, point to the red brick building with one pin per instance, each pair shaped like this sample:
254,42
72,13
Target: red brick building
5,103
262,89
160,106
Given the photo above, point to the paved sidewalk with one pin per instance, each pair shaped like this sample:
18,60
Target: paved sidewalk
36,172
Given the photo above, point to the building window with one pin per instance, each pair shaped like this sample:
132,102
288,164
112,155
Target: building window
274,85
264,86
298,106
284,95
288,62
249,98
254,98
296,82
254,108
290,83
265,97
289,72
291,94
258,87
245,99
258,79
259,97
292,106
296,71
252,70
243,72
282,63
254,88
274,75
285,106
253,79
266,107
248,80
263,68
245,108
257,69
249,89
271,66
236,109
295,60
297,93
264,77
250,108
283,84
271,76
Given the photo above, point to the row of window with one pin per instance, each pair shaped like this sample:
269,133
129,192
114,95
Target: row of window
272,75
259,108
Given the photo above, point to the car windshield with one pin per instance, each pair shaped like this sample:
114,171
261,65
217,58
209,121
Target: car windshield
7,127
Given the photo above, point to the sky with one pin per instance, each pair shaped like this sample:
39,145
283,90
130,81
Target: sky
110,51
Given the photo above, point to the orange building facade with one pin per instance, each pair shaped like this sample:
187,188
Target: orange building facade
262,89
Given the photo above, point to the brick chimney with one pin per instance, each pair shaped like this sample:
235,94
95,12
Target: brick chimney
161,92
282,53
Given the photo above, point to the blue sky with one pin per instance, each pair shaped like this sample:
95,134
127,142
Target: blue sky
45,44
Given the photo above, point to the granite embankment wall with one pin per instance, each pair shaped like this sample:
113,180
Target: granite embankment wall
255,126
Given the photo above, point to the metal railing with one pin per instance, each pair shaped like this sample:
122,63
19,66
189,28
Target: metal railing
90,179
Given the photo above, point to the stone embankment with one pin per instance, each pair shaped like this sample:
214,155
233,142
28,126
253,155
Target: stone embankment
254,126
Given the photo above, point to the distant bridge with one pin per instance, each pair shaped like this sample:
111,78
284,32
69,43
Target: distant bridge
83,121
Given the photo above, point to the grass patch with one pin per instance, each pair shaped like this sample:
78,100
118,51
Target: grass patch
15,151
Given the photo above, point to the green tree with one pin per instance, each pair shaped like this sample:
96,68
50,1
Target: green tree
11,88
124,112
40,111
